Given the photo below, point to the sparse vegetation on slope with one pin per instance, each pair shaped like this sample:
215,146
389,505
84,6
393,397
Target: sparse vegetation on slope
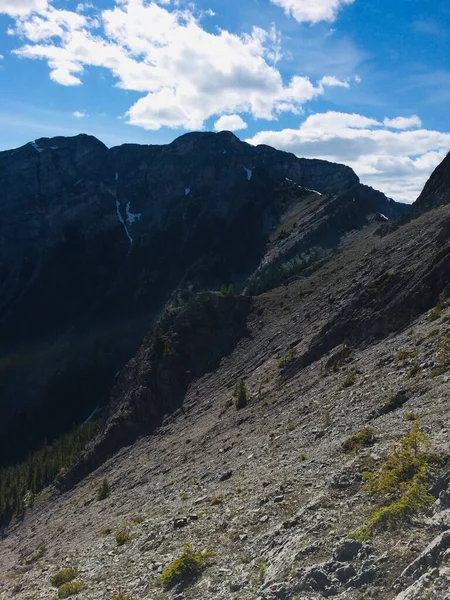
401,483
63,576
359,440
104,490
185,568
240,395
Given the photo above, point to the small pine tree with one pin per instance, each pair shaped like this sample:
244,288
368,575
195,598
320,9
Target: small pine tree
240,394
104,490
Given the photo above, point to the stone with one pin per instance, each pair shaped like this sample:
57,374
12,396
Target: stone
226,475
346,550
180,522
429,557
316,579
344,573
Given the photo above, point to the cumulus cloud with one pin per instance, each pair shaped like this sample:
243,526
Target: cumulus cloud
187,74
20,8
403,122
397,162
312,11
332,81
230,123
79,114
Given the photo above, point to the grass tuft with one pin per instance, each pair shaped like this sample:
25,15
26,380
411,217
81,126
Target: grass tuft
70,589
358,441
186,568
63,576
350,379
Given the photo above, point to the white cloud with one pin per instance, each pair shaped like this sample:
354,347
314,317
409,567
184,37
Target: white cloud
403,122
396,162
19,8
230,123
186,73
79,114
312,11
333,82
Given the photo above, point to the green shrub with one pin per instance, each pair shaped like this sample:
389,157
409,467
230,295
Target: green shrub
228,291
70,589
288,357
443,352
404,356
414,501
137,520
414,370
123,536
436,312
35,556
410,416
63,576
104,490
185,568
240,395
437,371
349,379
402,482
260,572
358,441
216,500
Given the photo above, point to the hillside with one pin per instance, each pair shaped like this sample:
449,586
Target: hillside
341,337
96,241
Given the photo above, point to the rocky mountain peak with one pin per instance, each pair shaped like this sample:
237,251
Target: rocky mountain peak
437,189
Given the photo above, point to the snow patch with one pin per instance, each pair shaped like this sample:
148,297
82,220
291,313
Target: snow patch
117,176
77,183
36,147
249,173
187,191
131,217
303,187
308,190
122,222
54,147
224,151
383,216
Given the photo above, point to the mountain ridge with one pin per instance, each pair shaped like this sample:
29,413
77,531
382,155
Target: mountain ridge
96,240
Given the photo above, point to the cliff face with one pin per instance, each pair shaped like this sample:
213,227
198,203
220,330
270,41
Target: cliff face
437,189
95,240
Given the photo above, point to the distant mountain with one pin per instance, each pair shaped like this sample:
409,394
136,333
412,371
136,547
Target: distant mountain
95,241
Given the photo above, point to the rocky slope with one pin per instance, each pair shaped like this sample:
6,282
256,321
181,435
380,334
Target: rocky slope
343,331
95,241
270,488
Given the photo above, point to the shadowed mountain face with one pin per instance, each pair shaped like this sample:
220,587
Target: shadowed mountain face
437,189
95,241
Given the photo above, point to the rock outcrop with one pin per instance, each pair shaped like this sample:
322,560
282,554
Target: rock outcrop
437,189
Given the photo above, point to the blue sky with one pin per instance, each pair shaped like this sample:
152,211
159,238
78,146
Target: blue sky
355,81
